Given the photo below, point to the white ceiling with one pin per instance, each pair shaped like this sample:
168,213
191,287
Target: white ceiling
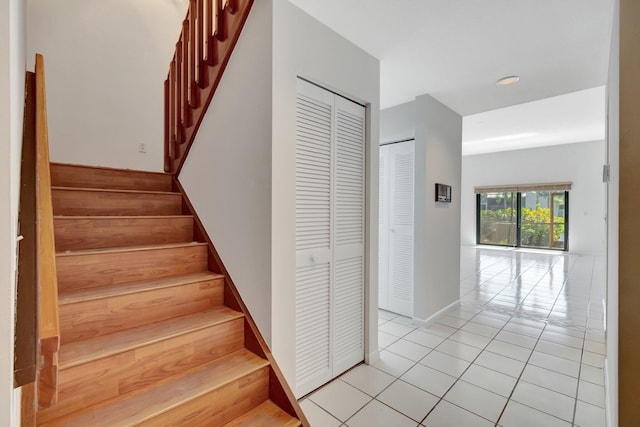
455,50
564,119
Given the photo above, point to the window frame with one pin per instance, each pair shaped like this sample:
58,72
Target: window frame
518,242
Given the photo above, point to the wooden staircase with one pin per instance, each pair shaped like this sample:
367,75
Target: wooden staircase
149,334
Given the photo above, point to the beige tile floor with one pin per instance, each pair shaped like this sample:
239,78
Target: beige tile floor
524,347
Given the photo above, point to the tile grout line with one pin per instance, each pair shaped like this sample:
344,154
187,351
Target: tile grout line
535,310
415,363
492,339
465,370
394,381
398,378
575,403
412,366
519,378
530,356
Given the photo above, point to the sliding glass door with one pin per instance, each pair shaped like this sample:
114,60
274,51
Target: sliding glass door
497,218
542,219
532,219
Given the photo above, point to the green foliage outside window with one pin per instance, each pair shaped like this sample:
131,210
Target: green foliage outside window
535,225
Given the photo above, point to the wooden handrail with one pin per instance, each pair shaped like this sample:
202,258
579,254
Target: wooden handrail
48,322
210,31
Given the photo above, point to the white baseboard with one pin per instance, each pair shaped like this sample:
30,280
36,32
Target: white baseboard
607,405
17,407
426,322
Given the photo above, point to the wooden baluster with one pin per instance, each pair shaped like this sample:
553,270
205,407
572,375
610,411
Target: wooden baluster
185,77
192,55
220,32
167,144
210,32
179,132
200,53
173,134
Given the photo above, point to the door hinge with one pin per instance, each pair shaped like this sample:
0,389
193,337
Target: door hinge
606,173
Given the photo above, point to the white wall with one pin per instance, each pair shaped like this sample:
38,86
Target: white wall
612,190
398,123
438,149
438,133
304,47
227,174
106,63
12,70
579,163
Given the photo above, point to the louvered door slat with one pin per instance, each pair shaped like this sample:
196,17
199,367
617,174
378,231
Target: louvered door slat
313,173
312,326
349,174
349,316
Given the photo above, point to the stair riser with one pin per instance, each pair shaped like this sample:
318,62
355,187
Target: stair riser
265,414
88,319
80,202
78,176
111,377
101,269
95,233
219,406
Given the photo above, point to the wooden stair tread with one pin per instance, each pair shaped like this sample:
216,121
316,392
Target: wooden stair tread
115,190
80,295
74,233
128,249
71,201
117,217
162,397
108,168
64,174
80,352
267,414
91,268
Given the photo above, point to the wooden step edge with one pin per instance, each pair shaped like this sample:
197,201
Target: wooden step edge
75,296
107,168
116,190
116,217
267,414
82,352
168,394
124,249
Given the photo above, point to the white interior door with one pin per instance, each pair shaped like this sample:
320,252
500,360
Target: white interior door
314,134
348,280
329,236
396,230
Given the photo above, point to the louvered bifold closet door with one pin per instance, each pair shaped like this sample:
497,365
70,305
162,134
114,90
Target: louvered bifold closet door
401,228
314,171
348,286
330,200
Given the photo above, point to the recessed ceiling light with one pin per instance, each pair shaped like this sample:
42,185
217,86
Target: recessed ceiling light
507,80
